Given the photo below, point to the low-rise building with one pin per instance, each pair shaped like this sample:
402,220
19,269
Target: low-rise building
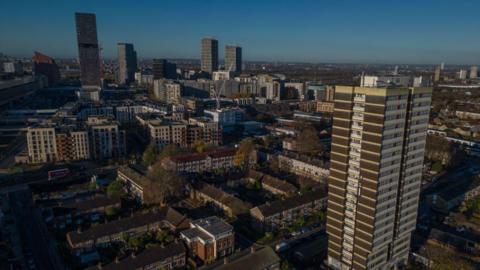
304,166
272,184
95,205
263,258
475,115
209,238
220,199
134,179
171,256
104,234
201,162
282,213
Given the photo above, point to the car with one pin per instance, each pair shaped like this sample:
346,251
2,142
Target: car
283,246
296,233
305,230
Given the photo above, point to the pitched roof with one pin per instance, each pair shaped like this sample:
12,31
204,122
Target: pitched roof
201,156
278,184
221,196
91,204
166,214
271,208
258,260
147,257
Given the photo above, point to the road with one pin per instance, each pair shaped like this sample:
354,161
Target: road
34,231
8,158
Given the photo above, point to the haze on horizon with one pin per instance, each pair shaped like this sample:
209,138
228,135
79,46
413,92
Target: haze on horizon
404,32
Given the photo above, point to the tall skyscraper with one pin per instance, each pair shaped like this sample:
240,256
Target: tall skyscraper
89,56
46,66
438,71
209,61
163,69
127,63
378,143
233,58
473,72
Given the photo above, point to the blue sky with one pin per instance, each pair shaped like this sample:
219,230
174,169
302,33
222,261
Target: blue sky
349,31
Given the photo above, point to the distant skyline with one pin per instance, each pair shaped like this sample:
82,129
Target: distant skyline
390,32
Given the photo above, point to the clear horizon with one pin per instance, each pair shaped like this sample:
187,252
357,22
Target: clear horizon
270,31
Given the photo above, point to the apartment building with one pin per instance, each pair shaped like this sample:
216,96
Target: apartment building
378,142
162,133
49,144
279,214
209,238
201,162
106,138
204,129
42,145
325,106
72,145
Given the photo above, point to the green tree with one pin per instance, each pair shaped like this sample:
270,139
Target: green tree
169,151
162,184
115,189
199,146
111,211
285,266
242,156
437,166
308,141
150,155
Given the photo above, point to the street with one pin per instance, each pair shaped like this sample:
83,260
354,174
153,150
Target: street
36,237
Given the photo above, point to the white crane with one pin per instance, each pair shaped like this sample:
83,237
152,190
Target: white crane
218,93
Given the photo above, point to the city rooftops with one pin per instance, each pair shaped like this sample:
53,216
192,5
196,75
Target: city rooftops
147,257
213,225
264,258
219,153
166,215
271,208
94,203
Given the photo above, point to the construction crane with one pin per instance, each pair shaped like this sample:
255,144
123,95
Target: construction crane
218,93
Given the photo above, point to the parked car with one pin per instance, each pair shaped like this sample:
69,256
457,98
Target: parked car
282,247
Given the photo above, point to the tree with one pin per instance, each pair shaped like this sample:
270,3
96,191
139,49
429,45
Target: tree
162,184
242,156
437,148
115,189
169,151
308,141
150,155
199,146
111,211
437,166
